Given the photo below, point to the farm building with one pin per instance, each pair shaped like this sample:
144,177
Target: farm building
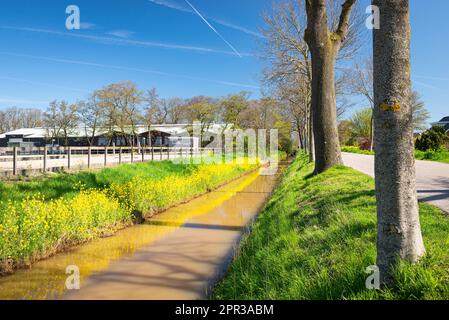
176,135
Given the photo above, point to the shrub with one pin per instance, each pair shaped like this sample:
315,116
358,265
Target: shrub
433,139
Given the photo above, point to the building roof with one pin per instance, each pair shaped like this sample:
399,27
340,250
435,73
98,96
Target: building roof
171,129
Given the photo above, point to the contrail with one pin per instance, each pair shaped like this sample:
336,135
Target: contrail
119,41
227,24
131,69
213,29
42,84
19,101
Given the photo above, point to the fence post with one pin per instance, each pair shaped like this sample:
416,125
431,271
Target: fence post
89,155
143,154
105,156
14,160
152,153
168,153
132,154
45,158
160,153
69,156
120,155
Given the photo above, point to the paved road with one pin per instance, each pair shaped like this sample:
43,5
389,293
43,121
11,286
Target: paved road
432,178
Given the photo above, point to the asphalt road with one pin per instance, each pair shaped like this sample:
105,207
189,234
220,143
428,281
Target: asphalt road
432,178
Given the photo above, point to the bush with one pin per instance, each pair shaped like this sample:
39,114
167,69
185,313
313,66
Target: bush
433,139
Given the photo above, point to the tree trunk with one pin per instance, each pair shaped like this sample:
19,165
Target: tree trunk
324,46
310,136
324,111
399,231
371,132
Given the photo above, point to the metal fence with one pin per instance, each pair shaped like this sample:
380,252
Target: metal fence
21,161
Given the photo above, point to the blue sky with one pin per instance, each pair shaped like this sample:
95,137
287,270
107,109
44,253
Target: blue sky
165,44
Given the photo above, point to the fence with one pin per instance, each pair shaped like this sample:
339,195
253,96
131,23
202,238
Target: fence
21,161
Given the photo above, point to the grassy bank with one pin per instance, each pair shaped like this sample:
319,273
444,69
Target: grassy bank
431,155
41,217
352,149
316,237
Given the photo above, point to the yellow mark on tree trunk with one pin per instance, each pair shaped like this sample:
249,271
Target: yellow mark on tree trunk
390,106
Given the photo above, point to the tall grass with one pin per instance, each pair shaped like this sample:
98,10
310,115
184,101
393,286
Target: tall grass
51,214
316,237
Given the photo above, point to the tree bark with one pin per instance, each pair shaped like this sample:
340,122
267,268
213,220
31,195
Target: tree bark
310,136
399,231
371,132
324,46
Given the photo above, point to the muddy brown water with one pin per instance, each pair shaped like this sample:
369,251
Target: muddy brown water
179,254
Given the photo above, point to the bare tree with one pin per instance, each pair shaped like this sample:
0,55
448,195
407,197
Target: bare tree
290,66
51,121
360,82
68,120
232,107
121,102
289,56
204,111
91,116
324,45
15,118
177,110
61,120
399,231
420,114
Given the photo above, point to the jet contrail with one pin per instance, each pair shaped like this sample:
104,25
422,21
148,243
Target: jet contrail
120,41
131,69
42,84
213,29
227,24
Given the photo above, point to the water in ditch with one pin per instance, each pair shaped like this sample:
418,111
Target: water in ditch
176,255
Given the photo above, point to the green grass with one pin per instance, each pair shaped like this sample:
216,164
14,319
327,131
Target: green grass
430,155
353,149
65,185
316,237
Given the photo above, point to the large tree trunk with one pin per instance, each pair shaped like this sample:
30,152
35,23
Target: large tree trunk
399,231
324,111
324,46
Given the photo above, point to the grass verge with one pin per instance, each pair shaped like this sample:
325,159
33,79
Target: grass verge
352,149
316,237
430,155
39,218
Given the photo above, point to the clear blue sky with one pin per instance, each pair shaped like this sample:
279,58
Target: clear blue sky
164,44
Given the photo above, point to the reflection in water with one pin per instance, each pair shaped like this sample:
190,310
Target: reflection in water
213,211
